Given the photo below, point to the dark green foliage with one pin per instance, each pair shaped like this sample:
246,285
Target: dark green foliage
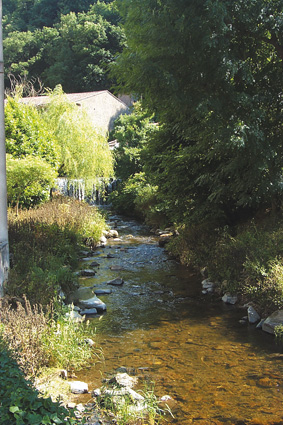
73,51
212,70
20,402
132,132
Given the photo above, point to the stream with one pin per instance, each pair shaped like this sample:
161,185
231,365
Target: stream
160,327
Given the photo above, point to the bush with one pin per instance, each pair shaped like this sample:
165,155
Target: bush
137,198
45,242
21,403
246,260
37,339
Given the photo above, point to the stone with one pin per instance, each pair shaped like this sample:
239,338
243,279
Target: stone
229,299
93,302
87,272
166,398
89,341
102,291
112,234
94,264
74,316
78,387
275,319
164,239
207,284
115,282
116,268
88,311
259,325
80,408
103,240
96,392
253,316
125,380
71,405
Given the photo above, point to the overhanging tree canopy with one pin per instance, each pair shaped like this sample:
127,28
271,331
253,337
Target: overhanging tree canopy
212,70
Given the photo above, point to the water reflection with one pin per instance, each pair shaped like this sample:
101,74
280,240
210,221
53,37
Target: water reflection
160,326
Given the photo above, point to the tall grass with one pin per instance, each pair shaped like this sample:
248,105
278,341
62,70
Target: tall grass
45,242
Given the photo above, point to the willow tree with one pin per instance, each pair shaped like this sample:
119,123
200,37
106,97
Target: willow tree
84,153
212,71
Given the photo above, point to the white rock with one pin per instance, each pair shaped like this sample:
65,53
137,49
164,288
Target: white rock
78,387
80,408
126,380
229,299
166,398
253,316
93,302
207,284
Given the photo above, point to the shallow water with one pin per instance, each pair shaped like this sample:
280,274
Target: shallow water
160,327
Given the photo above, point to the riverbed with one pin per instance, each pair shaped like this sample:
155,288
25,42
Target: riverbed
162,328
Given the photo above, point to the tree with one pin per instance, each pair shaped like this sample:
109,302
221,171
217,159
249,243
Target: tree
29,180
75,52
212,70
83,152
27,133
132,133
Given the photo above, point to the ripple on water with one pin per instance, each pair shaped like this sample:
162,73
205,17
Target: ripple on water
157,325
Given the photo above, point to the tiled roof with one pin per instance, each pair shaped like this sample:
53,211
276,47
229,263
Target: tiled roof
73,97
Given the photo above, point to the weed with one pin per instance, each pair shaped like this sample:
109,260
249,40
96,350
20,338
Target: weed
39,339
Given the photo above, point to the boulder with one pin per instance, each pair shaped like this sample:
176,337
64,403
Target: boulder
229,299
112,234
272,321
115,282
93,302
94,264
78,387
253,316
124,380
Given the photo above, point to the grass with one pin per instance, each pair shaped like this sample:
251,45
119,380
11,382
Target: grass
45,244
247,259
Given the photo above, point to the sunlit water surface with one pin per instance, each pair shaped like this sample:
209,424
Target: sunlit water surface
160,327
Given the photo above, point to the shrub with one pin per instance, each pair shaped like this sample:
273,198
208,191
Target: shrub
37,339
29,180
21,403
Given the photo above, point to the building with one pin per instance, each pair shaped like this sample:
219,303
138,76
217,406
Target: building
102,107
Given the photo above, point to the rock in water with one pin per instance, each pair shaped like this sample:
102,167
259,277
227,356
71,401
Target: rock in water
78,387
253,315
272,321
115,282
93,302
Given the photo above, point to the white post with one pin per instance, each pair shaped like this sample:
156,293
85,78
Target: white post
4,246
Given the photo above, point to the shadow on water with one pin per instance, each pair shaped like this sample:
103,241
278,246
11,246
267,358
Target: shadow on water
159,326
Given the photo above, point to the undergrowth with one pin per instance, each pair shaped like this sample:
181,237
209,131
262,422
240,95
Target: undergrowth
40,339
44,244
247,260
20,402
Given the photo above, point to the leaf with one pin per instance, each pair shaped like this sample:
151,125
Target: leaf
14,409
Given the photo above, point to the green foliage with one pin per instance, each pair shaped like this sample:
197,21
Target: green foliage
132,132
74,51
44,243
21,403
29,180
213,73
84,153
27,133
137,198
38,340
246,260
